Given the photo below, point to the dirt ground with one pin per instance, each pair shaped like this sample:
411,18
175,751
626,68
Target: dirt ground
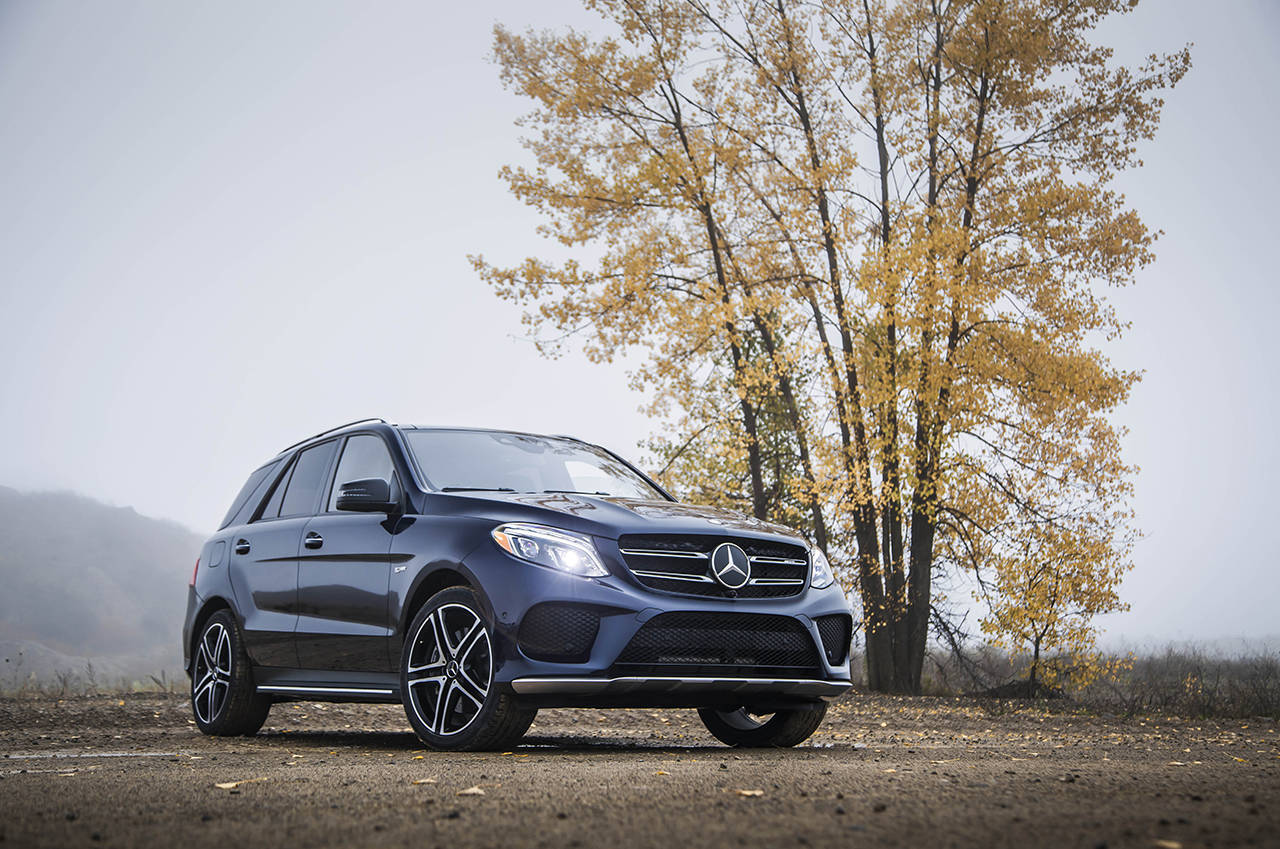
107,771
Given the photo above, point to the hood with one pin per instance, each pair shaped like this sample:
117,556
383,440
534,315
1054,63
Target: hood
609,516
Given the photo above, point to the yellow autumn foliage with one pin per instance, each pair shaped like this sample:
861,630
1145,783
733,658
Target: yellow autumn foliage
866,247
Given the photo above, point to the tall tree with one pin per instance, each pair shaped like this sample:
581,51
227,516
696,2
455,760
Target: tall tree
866,246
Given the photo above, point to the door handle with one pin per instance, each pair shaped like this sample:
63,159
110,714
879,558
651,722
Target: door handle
242,546
313,540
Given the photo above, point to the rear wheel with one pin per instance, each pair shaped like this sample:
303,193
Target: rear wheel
224,698
446,678
741,727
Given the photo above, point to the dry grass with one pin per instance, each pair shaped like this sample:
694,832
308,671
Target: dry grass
21,682
1192,683
1177,681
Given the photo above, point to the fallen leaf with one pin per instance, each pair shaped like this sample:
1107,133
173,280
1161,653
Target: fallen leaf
231,785
1166,844
471,791
749,792
423,781
662,772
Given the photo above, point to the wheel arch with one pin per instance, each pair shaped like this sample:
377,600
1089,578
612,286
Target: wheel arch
431,583
211,606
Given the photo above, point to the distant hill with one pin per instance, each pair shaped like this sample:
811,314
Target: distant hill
83,580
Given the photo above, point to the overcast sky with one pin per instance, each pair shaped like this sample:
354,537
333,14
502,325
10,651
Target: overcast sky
224,226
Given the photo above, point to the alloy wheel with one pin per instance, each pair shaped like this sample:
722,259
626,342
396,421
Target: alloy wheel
212,678
756,728
450,669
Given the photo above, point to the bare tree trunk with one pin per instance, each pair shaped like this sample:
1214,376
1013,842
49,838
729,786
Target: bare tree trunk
891,514
789,400
759,504
1035,668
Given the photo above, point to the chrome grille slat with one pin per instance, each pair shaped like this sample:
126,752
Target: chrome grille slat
778,561
639,552
671,576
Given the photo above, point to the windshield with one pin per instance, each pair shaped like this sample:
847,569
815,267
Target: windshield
462,460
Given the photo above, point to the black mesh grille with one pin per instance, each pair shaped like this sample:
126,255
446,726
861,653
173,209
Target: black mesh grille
835,630
753,644
561,633
662,555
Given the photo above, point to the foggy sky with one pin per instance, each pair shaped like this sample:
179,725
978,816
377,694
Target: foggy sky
226,226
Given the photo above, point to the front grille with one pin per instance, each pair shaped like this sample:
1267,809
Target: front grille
561,633
681,564
730,644
836,630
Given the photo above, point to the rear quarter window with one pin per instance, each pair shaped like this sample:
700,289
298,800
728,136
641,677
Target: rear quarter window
250,495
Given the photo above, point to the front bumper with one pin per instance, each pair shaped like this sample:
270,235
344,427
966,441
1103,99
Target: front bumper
623,607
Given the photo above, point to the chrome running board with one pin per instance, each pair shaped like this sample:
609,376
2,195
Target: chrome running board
325,691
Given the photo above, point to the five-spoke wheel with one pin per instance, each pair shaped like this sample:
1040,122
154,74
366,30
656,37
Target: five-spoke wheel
446,676
223,696
211,678
450,669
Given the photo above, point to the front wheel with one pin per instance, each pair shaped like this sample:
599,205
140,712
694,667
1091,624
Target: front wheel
446,678
223,696
741,727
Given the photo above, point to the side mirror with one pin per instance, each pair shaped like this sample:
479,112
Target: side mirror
372,495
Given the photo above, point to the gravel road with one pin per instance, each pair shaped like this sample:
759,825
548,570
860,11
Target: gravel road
107,771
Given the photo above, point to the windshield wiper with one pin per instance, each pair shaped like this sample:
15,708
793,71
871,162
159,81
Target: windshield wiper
476,489
575,492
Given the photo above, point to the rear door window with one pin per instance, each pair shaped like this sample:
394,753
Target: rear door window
302,495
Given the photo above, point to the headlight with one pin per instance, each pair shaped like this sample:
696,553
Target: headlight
552,547
820,574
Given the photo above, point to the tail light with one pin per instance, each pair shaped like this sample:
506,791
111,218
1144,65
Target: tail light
193,573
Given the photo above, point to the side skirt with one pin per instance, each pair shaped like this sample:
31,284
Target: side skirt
327,685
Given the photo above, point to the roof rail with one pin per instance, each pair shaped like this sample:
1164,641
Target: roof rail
331,430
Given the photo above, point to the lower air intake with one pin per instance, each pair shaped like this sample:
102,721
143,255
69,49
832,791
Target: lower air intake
836,631
730,644
559,633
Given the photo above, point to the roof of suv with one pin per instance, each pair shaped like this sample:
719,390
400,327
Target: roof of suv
378,420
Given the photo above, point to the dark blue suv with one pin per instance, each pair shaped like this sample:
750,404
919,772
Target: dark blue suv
478,575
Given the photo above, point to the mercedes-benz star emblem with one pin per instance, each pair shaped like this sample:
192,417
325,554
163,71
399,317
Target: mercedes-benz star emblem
730,565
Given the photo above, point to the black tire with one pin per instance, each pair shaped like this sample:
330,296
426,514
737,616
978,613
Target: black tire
457,668
224,698
740,727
